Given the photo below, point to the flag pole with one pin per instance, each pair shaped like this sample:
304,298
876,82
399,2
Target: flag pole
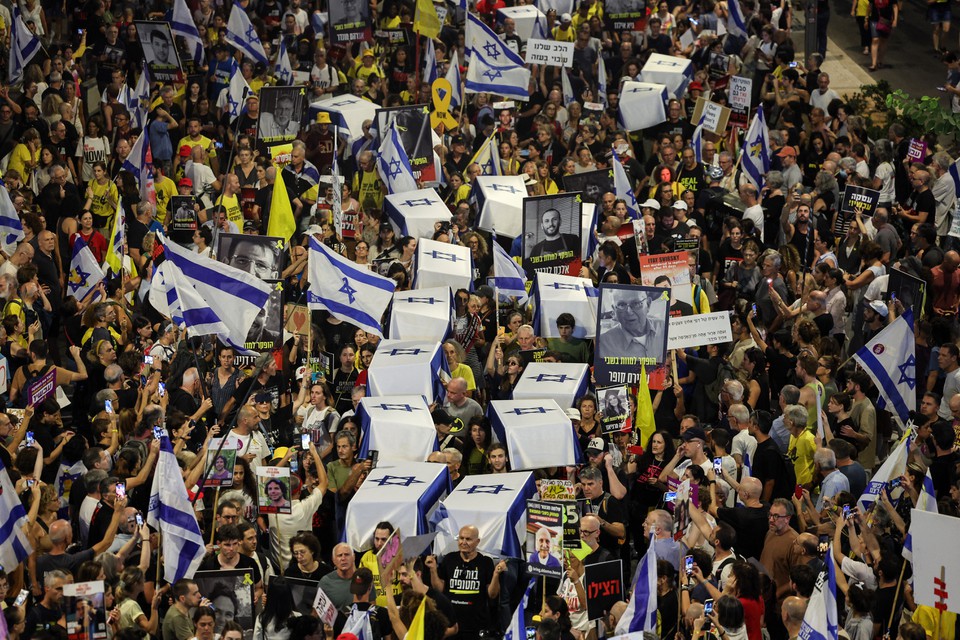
216,500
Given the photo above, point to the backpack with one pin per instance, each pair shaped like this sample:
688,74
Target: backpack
724,372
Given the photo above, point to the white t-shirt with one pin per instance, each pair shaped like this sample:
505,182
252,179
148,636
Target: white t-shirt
253,443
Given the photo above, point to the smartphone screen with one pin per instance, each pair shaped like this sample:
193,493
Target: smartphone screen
718,465
688,565
147,359
670,496
139,520
824,544
21,598
157,432
28,439
305,441
161,389
708,607
374,457
108,406
846,511
294,465
121,490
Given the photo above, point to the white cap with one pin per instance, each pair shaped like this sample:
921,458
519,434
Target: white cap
651,204
680,204
565,17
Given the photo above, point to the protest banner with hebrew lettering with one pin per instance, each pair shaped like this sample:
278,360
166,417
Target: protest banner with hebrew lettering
699,330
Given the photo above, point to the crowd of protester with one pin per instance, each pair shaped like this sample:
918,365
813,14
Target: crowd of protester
805,283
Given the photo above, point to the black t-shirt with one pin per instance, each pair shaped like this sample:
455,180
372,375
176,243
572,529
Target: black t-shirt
770,464
608,509
692,179
337,335
466,586
751,526
212,563
342,388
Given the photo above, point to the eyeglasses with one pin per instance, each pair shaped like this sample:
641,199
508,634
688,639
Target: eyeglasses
633,306
244,262
584,532
774,516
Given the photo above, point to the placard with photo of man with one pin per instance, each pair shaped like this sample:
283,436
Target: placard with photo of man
631,331
160,51
281,112
261,256
349,21
591,185
551,234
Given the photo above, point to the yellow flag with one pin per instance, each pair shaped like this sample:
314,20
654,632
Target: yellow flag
281,222
425,19
644,422
416,628
114,257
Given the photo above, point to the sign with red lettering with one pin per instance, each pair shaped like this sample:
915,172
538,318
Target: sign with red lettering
604,586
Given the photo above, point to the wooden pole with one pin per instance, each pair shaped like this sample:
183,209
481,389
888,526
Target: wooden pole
216,500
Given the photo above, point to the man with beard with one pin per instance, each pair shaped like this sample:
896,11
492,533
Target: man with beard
554,241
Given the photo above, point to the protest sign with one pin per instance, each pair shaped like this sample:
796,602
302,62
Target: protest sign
273,489
551,234
603,583
42,388
917,151
908,289
222,463
631,331
615,408
544,538
84,612
699,330
571,523
739,94
715,116
859,200
557,490
549,52
669,270
326,610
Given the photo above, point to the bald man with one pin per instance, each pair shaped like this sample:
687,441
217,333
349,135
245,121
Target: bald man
542,555
61,537
470,580
748,520
791,612
946,285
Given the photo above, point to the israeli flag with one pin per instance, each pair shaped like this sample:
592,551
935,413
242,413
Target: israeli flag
820,622
24,45
955,174
439,263
358,623
140,164
641,612
488,157
453,77
509,82
430,72
517,629
696,141
892,467
424,314
602,82
394,164
163,295
233,99
11,228
566,88
183,25
736,24
282,69
215,298
85,273
756,150
927,501
891,362
172,515
623,188
554,294
241,34
483,41
139,99
350,293
541,30
509,280
14,545
500,203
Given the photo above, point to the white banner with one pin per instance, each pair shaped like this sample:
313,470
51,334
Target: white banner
740,91
550,53
699,330
936,575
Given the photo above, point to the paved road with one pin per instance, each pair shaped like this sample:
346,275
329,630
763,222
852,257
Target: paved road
914,69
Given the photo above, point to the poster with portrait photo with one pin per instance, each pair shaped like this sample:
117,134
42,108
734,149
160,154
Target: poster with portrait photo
615,407
184,219
281,112
624,14
592,184
631,331
544,544
669,270
83,609
413,126
273,490
221,464
551,234
261,256
349,21
304,593
160,51
230,591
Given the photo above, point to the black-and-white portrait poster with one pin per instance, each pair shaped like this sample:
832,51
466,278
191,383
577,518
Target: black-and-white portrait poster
413,125
230,591
631,331
304,593
551,234
260,256
349,21
281,111
592,184
160,51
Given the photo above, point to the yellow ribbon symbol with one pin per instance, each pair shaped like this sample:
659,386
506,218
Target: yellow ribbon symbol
442,95
247,579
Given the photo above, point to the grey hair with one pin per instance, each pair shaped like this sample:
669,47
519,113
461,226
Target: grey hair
298,144
112,373
52,576
943,160
734,388
848,164
739,412
591,473
454,454
797,414
775,256
774,180
663,518
790,394
826,459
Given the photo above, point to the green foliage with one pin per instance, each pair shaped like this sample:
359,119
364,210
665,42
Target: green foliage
924,115
870,103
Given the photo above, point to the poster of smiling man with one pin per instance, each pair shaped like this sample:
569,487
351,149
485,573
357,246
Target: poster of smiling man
160,51
551,234
281,110
631,331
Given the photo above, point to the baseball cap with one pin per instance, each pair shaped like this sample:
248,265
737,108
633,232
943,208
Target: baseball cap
572,413
185,182
694,433
879,307
250,225
485,291
680,204
696,85
597,445
185,151
368,52
565,17
361,581
301,371
529,181
314,228
787,151
279,452
651,204
439,416
263,396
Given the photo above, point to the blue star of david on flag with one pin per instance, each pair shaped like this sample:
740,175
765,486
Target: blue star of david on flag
386,406
492,50
418,202
522,411
492,74
492,489
397,481
508,188
347,289
552,377
394,168
441,255
405,352
910,380
77,279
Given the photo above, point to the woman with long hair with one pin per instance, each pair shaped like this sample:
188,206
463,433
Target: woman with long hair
90,236
758,383
468,334
648,491
278,609
743,583
502,375
555,608
132,616
589,425
475,450
96,148
244,490
480,252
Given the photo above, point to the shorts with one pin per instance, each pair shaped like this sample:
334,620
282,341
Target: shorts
939,13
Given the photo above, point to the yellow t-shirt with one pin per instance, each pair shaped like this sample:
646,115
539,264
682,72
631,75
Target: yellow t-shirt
368,187
204,142
166,189
20,159
369,560
362,72
234,212
561,35
103,203
800,451
465,372
936,624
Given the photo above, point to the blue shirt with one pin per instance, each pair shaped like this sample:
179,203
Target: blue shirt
831,486
780,434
